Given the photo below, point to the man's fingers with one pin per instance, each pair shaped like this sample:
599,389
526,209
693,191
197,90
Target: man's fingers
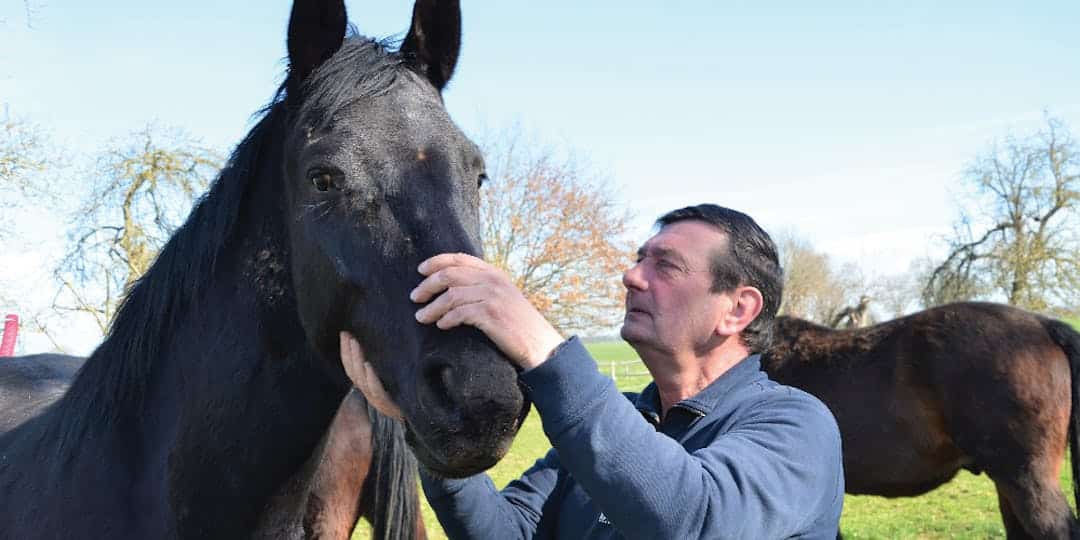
461,314
352,358
377,395
348,361
452,299
364,378
431,286
445,260
445,278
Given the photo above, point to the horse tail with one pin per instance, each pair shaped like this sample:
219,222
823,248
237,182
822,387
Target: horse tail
1069,340
390,489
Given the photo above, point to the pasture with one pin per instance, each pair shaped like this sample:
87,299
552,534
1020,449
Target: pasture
963,508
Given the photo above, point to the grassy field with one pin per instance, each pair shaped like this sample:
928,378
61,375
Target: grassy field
964,508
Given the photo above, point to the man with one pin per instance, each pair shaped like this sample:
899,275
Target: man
710,449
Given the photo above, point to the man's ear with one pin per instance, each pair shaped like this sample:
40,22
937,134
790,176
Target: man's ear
744,304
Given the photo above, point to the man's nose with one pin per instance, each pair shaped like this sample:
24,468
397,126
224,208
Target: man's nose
633,278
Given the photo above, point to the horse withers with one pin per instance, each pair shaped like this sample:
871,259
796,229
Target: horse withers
221,371
977,386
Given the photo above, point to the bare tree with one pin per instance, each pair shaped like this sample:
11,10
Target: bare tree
1019,239
854,316
23,157
807,277
815,288
896,295
557,229
141,192
31,11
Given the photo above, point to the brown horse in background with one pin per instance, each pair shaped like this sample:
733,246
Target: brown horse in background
976,386
362,457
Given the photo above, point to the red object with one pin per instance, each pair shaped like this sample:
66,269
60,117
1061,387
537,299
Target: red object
11,331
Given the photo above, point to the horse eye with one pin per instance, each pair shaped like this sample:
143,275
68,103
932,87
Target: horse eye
481,179
322,180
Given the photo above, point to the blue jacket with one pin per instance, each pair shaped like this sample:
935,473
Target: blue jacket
744,458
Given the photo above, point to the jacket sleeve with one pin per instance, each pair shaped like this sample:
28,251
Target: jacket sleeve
776,471
473,508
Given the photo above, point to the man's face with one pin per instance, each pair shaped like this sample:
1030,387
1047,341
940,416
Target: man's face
669,306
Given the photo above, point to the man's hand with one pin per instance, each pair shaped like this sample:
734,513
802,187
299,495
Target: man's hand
480,295
364,378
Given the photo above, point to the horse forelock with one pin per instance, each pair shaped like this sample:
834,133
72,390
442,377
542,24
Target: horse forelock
361,68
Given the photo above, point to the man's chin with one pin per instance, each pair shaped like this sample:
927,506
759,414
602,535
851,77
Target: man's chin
630,333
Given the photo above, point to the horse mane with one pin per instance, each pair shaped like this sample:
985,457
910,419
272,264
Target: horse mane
118,371
114,380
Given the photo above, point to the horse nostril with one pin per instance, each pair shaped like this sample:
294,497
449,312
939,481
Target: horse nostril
439,377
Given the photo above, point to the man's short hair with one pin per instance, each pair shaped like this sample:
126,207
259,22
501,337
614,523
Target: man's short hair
750,259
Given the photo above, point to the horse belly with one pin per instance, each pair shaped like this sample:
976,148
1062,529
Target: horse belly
899,447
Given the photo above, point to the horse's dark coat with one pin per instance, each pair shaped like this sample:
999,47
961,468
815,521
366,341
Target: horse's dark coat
361,468
31,383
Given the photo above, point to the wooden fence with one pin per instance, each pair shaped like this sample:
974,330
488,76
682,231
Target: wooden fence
629,375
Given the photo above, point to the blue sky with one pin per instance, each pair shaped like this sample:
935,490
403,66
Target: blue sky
849,122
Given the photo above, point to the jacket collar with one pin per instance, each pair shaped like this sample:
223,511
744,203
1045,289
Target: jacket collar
744,372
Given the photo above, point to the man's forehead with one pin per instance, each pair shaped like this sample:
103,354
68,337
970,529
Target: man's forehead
685,237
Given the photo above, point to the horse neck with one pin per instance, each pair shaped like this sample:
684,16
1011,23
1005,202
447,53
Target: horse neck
249,414
226,397
251,400
803,346
795,343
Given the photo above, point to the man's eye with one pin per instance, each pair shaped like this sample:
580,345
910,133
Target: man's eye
666,267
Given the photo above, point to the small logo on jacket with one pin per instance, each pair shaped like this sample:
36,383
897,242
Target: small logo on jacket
603,519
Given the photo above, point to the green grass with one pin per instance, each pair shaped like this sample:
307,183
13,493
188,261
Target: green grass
611,350
630,377
964,508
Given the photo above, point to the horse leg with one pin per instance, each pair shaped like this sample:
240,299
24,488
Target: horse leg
334,498
1013,529
1033,508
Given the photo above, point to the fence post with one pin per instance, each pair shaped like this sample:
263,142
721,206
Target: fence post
11,332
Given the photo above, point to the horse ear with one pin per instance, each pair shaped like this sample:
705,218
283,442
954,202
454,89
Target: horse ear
434,39
316,30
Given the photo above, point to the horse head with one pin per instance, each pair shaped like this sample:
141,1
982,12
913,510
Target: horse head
377,178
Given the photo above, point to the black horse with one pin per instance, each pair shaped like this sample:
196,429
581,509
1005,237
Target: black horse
29,384
978,386
221,371
361,467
